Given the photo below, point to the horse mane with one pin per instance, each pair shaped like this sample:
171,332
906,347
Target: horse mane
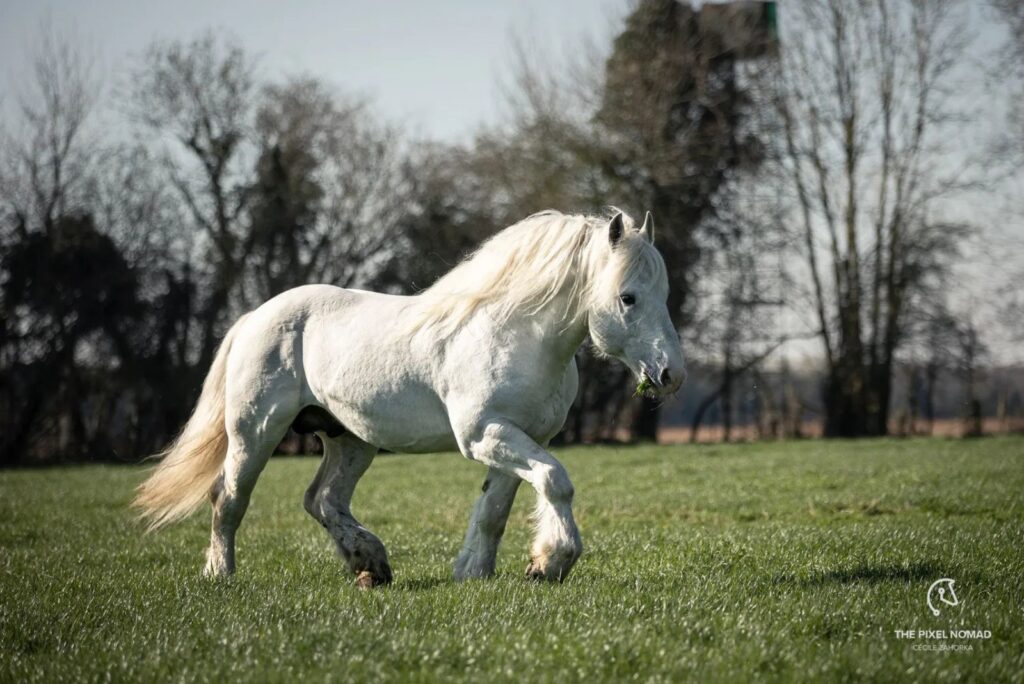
525,266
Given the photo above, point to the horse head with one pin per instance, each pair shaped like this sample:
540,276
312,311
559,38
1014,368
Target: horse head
628,316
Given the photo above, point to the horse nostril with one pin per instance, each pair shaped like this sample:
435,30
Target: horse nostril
666,378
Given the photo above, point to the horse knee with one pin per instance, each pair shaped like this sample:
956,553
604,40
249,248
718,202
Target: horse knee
555,484
217,490
491,526
229,511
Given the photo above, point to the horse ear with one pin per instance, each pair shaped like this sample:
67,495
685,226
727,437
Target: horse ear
647,230
615,229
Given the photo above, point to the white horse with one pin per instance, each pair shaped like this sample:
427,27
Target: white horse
482,361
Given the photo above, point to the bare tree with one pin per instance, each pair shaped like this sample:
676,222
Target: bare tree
675,112
198,97
739,292
865,100
48,154
449,212
972,352
1008,148
46,160
330,192
940,337
1011,72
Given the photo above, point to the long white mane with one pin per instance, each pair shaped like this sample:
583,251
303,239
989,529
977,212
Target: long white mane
524,268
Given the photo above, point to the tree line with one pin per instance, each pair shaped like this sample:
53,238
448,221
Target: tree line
796,166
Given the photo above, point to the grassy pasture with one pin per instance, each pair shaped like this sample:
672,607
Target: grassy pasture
782,561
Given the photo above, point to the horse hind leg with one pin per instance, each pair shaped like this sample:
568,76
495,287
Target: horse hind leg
329,501
249,449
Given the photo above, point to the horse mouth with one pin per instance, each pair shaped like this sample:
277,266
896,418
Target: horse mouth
648,386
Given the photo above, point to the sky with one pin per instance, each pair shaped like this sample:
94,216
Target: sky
436,69
431,65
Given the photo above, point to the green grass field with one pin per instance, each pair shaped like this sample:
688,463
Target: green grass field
789,561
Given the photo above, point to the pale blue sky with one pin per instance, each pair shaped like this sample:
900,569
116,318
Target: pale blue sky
434,68
431,65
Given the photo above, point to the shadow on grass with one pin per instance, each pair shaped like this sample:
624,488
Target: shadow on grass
867,574
420,583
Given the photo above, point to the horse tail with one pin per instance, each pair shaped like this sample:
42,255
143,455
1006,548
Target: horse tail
190,466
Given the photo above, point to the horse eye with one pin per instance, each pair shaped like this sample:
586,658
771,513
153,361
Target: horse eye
628,299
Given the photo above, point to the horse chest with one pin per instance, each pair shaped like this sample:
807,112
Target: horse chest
539,402
557,409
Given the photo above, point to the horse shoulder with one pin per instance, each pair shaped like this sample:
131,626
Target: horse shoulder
511,381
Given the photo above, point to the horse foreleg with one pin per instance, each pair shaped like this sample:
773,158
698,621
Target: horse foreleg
487,525
501,445
329,500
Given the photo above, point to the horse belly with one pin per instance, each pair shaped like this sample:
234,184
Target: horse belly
358,366
410,421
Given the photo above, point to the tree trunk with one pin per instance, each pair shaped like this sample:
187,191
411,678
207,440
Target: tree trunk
645,422
844,406
931,374
727,383
879,393
698,414
973,424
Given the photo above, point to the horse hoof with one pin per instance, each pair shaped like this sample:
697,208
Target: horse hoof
367,580
534,571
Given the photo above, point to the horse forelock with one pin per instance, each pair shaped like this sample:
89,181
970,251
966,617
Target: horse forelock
525,267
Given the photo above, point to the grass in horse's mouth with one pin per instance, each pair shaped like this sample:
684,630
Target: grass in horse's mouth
645,386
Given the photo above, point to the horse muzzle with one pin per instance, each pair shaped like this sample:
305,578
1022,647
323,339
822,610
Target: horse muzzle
666,378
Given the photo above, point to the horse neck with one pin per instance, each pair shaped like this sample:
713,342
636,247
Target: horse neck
562,325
